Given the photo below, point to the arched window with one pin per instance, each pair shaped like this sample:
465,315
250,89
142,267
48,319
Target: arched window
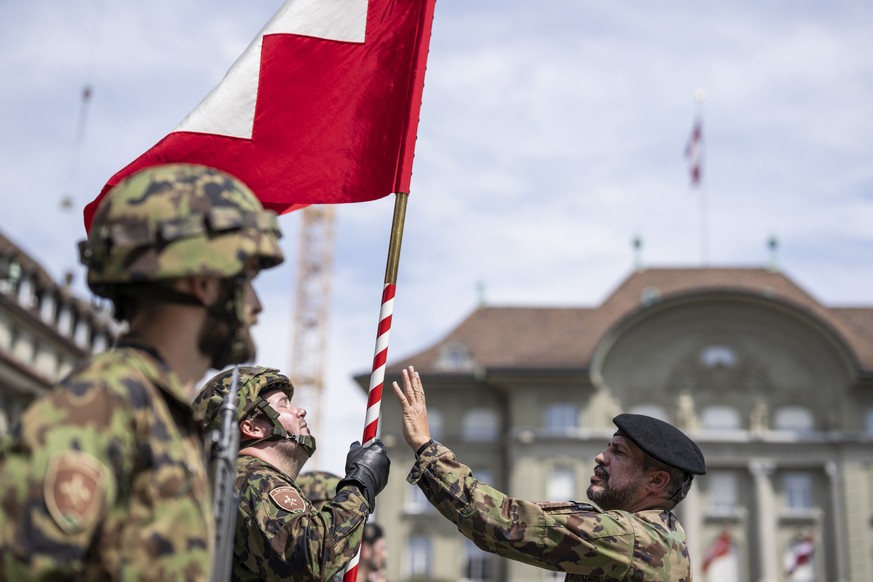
794,419
718,356
455,356
720,418
480,424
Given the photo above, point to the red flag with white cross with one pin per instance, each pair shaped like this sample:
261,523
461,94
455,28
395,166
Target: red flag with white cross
321,108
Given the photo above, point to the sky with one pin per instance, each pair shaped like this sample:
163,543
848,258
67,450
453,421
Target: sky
552,134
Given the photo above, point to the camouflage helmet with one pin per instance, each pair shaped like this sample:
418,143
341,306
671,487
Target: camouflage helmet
253,381
319,487
177,220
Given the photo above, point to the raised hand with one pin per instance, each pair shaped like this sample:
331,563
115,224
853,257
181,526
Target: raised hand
413,409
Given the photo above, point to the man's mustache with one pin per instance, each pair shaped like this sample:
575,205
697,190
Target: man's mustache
601,472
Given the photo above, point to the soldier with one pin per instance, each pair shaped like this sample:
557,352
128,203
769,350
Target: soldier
646,469
279,533
105,478
374,552
318,487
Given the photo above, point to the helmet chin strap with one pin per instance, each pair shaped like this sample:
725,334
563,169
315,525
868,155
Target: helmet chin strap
278,432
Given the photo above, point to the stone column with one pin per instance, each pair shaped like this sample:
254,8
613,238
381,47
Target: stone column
762,471
838,510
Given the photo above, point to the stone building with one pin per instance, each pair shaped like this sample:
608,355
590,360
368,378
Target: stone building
44,330
775,387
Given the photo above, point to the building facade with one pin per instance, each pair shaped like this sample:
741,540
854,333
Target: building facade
776,388
44,331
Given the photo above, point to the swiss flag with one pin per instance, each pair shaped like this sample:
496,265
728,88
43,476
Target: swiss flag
321,108
694,152
799,555
722,546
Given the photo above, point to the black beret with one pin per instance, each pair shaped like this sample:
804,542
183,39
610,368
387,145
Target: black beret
662,441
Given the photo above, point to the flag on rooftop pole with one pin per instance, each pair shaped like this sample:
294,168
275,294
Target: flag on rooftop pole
719,548
694,155
321,108
694,152
799,560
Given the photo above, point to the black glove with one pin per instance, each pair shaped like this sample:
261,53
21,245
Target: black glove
367,467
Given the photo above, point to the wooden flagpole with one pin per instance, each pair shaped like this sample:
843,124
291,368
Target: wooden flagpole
380,358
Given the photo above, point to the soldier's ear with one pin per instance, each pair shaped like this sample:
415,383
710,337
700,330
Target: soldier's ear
658,481
251,429
204,289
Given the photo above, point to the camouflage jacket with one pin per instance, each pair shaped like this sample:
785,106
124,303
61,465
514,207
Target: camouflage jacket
576,538
281,536
105,479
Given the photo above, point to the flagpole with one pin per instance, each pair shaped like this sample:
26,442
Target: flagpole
700,98
380,358
704,251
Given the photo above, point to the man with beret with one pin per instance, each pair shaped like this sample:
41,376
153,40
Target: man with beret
280,535
645,470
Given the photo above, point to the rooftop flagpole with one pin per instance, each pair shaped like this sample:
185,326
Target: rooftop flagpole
694,152
700,98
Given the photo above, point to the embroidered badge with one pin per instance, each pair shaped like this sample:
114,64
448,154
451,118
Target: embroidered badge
74,490
288,498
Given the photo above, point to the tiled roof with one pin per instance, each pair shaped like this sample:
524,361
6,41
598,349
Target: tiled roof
552,337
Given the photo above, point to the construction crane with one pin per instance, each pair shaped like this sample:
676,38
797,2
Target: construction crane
312,310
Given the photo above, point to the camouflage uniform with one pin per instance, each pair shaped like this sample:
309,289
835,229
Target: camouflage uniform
568,537
105,476
104,471
280,535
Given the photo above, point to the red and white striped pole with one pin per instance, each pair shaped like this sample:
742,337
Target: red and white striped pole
380,359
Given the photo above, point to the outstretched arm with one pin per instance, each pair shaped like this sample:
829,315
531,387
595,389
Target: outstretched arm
413,409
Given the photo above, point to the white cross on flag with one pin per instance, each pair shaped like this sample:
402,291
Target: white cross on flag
321,108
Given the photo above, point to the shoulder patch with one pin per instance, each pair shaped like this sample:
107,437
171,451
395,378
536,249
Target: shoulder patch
74,490
288,498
